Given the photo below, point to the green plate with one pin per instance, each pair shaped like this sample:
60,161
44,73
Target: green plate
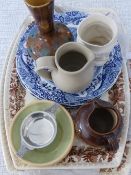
58,149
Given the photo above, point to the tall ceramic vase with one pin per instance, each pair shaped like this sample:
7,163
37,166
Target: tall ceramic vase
50,35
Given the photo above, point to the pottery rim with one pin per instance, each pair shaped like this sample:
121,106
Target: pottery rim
37,6
99,46
88,54
116,125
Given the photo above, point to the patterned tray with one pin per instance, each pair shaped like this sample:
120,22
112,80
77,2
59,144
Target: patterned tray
81,156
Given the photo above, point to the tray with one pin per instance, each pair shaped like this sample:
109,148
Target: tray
15,97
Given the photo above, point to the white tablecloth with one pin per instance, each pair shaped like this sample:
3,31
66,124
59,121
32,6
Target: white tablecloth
13,12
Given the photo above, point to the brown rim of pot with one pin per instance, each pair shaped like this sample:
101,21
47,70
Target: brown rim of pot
111,108
37,6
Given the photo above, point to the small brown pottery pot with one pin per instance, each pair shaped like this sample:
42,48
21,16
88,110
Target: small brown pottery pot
50,35
98,123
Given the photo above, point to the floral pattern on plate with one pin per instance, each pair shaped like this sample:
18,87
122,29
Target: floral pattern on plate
80,154
104,77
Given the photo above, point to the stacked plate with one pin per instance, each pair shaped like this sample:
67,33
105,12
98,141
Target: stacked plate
104,76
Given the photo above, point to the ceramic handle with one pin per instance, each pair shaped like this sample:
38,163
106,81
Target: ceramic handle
45,65
101,59
112,142
104,104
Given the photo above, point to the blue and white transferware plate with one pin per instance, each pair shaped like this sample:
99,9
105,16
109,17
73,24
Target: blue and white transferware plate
104,77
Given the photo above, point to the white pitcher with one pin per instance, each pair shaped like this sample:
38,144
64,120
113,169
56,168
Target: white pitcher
71,69
98,33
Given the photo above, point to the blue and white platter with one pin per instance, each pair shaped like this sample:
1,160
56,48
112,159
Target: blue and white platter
104,77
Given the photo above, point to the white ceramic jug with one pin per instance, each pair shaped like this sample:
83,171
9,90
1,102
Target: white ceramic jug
71,69
98,33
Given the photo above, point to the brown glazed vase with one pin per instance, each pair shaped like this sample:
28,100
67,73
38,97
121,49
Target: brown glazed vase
50,35
89,135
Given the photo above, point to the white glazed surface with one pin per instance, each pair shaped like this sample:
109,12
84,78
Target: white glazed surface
65,80
102,28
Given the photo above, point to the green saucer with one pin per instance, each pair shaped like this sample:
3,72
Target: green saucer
58,149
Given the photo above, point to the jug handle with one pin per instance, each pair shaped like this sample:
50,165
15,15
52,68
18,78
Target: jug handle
45,65
101,59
